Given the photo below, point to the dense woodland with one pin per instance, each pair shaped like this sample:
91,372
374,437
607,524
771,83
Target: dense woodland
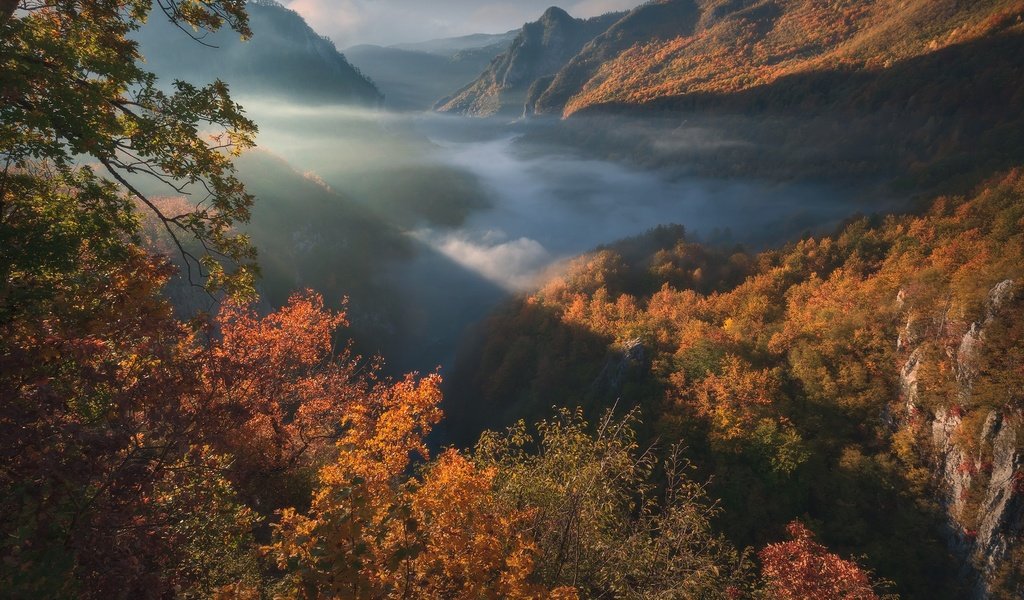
666,419
781,371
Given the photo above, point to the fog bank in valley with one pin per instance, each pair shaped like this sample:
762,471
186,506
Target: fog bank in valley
481,213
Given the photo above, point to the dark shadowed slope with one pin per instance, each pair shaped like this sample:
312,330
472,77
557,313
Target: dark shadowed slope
284,58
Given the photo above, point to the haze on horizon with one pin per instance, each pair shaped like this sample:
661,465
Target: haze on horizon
386,22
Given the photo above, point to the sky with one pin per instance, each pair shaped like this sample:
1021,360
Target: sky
351,22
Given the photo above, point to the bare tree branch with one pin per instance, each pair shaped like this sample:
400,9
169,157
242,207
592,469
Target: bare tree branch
166,221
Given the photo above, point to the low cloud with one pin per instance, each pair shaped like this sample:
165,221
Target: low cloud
512,264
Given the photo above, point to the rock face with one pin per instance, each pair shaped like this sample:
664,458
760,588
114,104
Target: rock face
630,358
540,50
979,476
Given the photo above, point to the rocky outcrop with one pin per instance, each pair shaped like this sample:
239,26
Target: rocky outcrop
979,476
540,50
630,358
1002,510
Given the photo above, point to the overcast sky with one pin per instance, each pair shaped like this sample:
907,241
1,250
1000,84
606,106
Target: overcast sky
350,22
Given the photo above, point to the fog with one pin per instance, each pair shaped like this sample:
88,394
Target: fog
485,213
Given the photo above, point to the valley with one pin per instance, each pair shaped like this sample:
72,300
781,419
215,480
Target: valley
673,299
473,206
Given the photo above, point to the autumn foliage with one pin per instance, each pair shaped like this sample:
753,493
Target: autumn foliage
251,454
784,371
733,50
802,569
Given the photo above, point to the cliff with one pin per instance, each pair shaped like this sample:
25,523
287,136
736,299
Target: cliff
540,50
973,449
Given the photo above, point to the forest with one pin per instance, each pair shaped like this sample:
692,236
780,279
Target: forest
667,416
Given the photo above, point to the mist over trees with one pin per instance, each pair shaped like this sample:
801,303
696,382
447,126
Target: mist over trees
672,415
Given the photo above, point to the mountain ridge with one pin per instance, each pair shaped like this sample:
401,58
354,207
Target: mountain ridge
416,79
451,45
672,48
285,58
540,49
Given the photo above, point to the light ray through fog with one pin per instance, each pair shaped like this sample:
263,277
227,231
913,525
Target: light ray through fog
491,214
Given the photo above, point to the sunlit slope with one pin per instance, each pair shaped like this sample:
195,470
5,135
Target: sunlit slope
857,379
672,48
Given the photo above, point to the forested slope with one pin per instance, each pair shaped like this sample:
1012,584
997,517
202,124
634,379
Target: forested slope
672,48
539,50
737,411
868,381
285,58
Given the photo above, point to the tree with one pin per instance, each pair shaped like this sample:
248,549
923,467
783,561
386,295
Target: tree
802,569
597,519
76,99
275,391
98,453
102,464
375,532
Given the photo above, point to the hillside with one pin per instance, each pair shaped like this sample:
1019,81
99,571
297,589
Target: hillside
868,381
454,45
417,79
539,50
668,416
672,48
309,235
284,58
923,96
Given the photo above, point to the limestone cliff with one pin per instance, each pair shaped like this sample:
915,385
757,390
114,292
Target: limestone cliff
977,471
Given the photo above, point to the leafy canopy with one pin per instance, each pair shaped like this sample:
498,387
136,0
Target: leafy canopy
78,104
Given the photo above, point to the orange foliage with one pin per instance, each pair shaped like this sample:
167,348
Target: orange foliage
373,532
734,400
278,382
802,569
473,545
751,48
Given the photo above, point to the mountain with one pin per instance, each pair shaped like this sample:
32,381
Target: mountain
647,24
284,58
454,45
417,79
868,381
539,50
309,235
674,48
922,95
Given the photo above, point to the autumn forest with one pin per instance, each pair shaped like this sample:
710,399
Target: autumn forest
695,299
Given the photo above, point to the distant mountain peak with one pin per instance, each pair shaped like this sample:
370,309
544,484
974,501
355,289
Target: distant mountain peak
540,49
555,14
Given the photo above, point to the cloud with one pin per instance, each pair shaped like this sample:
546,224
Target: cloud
512,264
350,22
